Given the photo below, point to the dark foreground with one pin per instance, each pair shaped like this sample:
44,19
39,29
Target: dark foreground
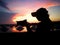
29,36
11,28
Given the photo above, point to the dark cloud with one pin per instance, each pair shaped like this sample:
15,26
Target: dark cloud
3,4
56,0
30,0
5,18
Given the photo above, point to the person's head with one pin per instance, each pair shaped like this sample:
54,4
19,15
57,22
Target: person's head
41,14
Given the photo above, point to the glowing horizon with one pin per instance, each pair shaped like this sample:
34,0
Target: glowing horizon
29,18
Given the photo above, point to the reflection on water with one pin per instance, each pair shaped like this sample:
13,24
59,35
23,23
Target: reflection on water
12,29
15,30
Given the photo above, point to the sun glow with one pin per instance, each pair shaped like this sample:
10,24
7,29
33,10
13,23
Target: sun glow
28,17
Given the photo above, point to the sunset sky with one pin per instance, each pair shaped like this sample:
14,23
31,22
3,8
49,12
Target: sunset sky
21,9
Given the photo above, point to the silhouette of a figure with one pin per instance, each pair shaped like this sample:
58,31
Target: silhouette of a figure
42,15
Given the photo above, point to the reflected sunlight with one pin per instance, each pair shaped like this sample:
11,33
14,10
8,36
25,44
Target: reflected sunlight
15,30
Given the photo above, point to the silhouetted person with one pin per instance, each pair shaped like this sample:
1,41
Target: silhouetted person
46,24
43,16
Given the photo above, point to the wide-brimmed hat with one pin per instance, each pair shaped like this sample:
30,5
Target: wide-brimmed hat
39,12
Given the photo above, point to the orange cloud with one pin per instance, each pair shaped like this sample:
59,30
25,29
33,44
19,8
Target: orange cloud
31,6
